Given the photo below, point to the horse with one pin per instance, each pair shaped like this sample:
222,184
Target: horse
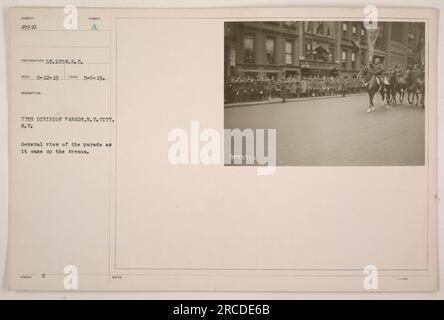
402,86
393,88
422,91
415,89
373,87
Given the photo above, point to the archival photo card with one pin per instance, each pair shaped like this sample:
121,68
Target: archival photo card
260,149
325,93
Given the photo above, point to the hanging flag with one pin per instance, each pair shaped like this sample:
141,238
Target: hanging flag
331,28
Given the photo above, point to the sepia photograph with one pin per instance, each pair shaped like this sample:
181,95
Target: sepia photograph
221,152
337,93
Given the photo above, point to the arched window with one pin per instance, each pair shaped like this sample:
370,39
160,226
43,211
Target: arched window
269,50
248,49
288,52
320,28
344,59
345,30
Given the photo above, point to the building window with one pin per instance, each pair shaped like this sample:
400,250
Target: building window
320,28
308,26
354,31
353,60
380,41
397,32
362,34
363,61
232,57
316,51
288,52
344,30
248,49
321,53
411,37
344,59
308,51
330,27
269,50
331,55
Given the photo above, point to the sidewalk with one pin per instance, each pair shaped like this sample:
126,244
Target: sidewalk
279,100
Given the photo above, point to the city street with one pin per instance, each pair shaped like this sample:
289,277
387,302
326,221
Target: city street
337,131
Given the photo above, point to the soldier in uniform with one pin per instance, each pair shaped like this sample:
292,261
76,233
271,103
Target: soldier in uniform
310,86
284,88
242,90
304,86
355,85
234,89
398,71
227,91
334,85
257,95
416,72
249,88
292,86
298,86
261,88
268,86
377,69
316,86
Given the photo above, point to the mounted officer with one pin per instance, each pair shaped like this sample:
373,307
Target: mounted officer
416,72
377,70
284,88
398,72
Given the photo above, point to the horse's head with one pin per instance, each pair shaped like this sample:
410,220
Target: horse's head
360,73
392,76
363,73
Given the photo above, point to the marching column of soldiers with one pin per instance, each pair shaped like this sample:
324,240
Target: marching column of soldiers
252,89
